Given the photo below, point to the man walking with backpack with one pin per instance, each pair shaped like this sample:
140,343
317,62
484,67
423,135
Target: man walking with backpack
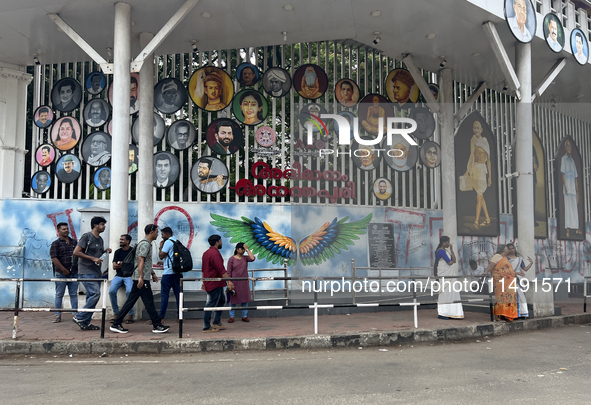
170,278
141,284
124,270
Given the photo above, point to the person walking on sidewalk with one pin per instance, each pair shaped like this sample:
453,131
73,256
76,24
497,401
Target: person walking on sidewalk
61,251
212,266
447,268
238,267
170,279
90,251
141,284
124,271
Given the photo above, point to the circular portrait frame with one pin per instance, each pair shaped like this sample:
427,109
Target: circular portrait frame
382,188
199,90
306,114
134,93
159,130
217,130
35,182
265,137
425,122
248,81
277,75
426,154
48,120
161,169
65,100
133,161
256,109
72,139
301,82
104,118
172,134
347,86
215,168
96,148
555,44
365,112
98,176
394,155
401,88
365,157
91,83
584,58
170,95
530,23
49,151
61,168
350,117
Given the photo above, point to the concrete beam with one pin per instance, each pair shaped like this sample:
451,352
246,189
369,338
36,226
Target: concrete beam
420,81
549,78
468,104
502,57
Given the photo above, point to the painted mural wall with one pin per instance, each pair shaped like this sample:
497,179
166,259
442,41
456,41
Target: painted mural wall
316,240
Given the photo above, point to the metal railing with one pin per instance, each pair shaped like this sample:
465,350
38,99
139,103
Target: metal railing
586,280
18,308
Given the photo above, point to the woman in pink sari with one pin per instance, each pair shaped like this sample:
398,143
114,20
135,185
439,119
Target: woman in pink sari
238,267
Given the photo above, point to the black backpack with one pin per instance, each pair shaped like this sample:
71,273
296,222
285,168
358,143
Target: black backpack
181,258
128,267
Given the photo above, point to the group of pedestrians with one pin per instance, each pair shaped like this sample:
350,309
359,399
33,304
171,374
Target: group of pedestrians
504,267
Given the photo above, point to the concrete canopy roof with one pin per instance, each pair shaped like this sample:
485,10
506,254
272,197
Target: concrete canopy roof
25,29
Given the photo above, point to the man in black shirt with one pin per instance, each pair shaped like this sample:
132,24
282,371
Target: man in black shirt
61,257
124,271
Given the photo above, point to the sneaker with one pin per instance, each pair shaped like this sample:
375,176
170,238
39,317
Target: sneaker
160,329
210,330
58,318
78,321
118,329
218,326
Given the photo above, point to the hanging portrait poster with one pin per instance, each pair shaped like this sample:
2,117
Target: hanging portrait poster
95,83
224,136
209,174
66,94
346,92
553,32
96,112
181,134
310,113
134,93
382,188
41,182
250,107
66,133
539,189
277,82
96,148
310,81
133,158
425,122
248,74
45,155
371,108
211,89
102,178
477,202
364,156
401,88
169,95
401,156
521,19
68,168
43,116
579,46
158,130
569,191
430,154
166,169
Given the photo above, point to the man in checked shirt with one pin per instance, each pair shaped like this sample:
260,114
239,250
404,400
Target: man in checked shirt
61,257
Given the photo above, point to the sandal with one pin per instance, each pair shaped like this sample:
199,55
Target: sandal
485,223
475,224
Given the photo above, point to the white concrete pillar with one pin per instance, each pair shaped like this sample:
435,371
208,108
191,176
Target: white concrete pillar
13,110
121,121
543,302
448,168
145,173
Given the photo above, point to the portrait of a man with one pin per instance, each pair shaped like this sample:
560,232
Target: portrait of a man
96,83
365,157
521,19
96,112
425,122
382,188
159,128
169,95
570,194
96,149
224,136
41,182
166,169
209,174
350,117
476,178
247,74
401,156
133,155
45,155
68,168
211,88
181,134
553,32
401,88
310,81
579,46
65,133
311,112
347,92
43,116
430,154
102,178
277,82
372,108
66,94
134,93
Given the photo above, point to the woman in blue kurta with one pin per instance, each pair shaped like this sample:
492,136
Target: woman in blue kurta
238,267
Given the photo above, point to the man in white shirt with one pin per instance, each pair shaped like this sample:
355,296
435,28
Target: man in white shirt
553,36
517,23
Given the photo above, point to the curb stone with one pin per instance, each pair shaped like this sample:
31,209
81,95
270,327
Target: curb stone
364,339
